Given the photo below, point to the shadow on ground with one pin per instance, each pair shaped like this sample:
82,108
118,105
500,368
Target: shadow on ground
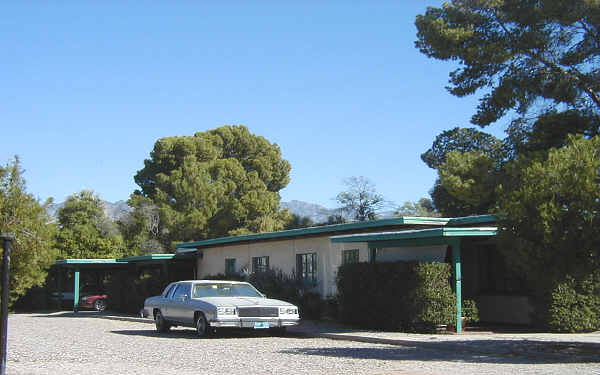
476,351
80,314
191,334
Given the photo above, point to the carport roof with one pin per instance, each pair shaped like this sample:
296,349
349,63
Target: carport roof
116,262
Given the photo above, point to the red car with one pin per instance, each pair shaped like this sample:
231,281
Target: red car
90,298
96,301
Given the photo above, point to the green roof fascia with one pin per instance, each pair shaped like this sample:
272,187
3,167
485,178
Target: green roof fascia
156,257
317,230
472,220
143,258
87,261
417,234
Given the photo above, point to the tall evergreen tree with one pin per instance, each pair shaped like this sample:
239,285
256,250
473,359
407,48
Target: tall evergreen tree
23,216
221,182
526,55
85,231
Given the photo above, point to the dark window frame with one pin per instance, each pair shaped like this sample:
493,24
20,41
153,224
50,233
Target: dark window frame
230,266
306,264
260,264
350,256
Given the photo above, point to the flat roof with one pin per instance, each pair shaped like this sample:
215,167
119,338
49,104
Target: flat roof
476,219
122,261
404,220
418,234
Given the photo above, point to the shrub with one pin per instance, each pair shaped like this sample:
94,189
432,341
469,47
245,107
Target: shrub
330,308
276,284
310,305
470,311
34,299
575,305
407,296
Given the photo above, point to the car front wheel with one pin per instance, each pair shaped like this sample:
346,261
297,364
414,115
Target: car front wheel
100,305
161,324
202,328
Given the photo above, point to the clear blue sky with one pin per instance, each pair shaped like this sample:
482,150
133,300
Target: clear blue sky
88,87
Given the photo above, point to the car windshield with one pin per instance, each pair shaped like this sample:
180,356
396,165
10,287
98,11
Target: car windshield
224,290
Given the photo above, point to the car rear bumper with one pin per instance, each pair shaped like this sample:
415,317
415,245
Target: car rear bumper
254,322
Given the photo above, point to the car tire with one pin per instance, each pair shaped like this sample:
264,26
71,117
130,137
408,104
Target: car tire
161,324
202,327
100,305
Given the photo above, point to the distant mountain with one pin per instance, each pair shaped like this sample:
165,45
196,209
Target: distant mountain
316,212
320,214
112,210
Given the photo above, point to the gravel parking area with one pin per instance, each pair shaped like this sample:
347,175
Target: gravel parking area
64,344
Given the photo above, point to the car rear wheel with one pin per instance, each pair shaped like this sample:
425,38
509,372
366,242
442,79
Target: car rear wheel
100,305
202,328
161,324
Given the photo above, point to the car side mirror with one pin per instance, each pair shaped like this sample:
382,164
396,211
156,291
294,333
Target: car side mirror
184,297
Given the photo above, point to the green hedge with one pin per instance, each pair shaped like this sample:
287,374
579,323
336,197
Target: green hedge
574,305
406,296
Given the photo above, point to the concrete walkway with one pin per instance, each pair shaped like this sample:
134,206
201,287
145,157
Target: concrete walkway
543,346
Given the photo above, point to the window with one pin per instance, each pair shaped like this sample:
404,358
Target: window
350,256
260,264
224,290
372,255
230,266
168,291
182,289
306,264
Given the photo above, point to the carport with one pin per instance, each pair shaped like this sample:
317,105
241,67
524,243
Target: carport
164,261
78,265
450,236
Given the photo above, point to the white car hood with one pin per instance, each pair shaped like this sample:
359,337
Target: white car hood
242,301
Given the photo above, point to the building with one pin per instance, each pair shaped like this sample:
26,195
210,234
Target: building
314,254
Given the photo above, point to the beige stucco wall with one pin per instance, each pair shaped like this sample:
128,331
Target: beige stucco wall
282,255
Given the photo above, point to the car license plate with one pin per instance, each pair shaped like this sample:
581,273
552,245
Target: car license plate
261,325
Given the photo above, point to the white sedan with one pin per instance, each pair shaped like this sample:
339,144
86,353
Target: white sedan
208,304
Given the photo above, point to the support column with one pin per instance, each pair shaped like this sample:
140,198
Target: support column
165,271
76,291
455,243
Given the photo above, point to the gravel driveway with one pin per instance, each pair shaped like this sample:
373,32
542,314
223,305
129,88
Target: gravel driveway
62,344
